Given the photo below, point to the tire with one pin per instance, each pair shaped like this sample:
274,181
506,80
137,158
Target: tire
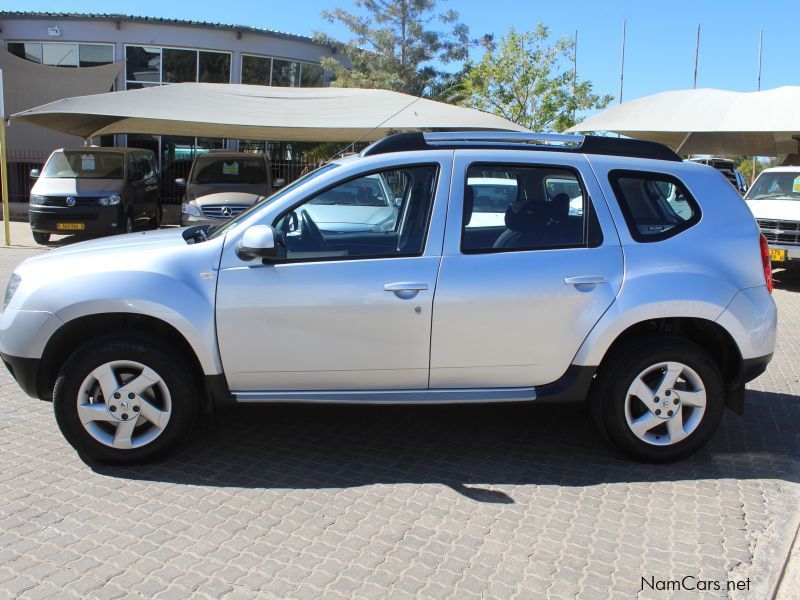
155,222
127,225
689,411
41,238
157,417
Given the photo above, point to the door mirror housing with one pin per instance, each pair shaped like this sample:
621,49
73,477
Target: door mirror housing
34,173
279,183
258,241
180,182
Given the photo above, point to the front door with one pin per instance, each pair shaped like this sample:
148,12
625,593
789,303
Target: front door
349,308
531,262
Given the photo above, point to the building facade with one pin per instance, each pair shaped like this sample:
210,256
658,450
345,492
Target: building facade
148,52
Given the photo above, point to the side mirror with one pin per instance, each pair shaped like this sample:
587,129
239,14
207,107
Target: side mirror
398,202
34,173
180,182
279,183
258,241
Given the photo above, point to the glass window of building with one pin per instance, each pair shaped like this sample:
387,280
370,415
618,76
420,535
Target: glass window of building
178,66
92,55
151,65
32,52
285,73
143,65
214,67
63,54
256,69
311,75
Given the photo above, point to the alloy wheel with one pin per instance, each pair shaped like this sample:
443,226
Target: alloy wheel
665,403
124,404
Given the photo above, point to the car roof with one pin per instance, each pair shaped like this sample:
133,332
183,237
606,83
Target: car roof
117,149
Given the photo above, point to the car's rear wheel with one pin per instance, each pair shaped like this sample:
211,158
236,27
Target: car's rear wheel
659,399
124,400
41,238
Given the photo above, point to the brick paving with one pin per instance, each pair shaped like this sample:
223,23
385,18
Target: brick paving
432,502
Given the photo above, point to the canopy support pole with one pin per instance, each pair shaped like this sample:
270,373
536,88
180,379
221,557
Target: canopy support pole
680,146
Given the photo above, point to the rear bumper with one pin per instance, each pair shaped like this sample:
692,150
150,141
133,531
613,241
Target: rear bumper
45,219
25,371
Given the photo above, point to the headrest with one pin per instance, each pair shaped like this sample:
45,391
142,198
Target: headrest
560,205
469,203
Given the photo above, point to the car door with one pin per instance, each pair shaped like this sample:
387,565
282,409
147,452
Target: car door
531,262
150,183
344,310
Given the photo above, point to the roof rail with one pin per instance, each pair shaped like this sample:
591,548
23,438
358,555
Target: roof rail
590,144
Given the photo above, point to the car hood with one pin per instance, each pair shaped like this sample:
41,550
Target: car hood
155,251
779,210
47,186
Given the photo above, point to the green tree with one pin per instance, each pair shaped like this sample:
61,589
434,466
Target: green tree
530,81
744,164
398,45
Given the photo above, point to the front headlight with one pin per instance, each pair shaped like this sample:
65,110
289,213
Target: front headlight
191,209
37,200
13,284
110,201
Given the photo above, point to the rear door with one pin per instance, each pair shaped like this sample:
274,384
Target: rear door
531,262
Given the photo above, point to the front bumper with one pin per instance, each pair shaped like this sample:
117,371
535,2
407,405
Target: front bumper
95,220
25,371
792,254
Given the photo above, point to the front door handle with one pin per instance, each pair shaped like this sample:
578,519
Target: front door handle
404,286
405,289
585,280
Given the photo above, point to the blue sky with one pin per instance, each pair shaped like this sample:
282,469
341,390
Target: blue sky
660,45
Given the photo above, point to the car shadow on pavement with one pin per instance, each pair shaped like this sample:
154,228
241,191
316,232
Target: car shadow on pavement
787,279
468,448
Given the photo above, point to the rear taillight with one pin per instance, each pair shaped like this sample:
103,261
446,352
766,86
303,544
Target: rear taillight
766,262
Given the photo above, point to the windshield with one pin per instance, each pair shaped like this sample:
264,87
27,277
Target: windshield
210,169
221,229
84,164
784,185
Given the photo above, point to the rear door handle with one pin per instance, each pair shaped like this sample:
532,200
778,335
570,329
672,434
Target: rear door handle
585,280
405,286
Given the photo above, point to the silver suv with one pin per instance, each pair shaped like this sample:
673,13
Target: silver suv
515,268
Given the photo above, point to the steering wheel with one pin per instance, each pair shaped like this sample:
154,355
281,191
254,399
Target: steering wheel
311,233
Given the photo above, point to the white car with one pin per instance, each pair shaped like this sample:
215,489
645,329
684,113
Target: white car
774,200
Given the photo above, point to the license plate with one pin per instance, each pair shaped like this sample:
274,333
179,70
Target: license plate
70,226
777,255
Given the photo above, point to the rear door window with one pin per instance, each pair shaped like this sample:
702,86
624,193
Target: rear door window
656,206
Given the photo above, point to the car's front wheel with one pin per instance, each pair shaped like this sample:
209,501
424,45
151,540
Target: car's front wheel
40,237
659,399
124,400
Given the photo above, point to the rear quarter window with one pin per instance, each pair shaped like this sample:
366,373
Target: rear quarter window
656,206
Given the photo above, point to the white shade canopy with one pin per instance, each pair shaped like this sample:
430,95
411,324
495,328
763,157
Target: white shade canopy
256,112
709,121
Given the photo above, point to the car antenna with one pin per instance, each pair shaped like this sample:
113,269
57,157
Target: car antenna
354,142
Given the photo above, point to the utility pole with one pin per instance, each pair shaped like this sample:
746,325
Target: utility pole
622,65
574,73
696,56
758,88
4,164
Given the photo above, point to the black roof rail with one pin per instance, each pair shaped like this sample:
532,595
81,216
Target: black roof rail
590,144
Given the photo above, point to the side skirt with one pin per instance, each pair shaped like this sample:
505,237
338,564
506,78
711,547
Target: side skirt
573,386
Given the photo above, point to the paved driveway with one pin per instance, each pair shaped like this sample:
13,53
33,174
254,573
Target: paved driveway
448,502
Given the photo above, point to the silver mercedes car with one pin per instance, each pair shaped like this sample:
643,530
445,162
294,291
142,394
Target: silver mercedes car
505,267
